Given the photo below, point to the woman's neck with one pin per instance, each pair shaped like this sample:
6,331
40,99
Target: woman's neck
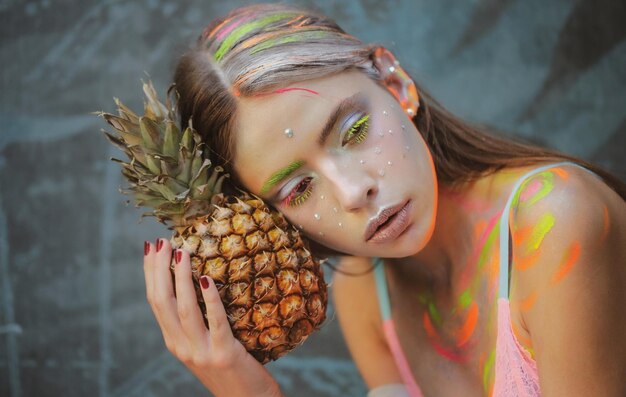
460,213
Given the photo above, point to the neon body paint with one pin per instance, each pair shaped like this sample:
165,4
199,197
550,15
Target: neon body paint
567,263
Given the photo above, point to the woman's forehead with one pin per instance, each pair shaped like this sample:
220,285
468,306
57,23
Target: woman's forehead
274,128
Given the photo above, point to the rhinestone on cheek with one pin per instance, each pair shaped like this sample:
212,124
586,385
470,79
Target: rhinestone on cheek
317,217
377,150
288,132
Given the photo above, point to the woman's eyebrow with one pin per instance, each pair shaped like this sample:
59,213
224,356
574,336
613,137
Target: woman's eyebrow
346,104
280,175
353,101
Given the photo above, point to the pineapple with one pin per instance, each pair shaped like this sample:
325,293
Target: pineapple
272,288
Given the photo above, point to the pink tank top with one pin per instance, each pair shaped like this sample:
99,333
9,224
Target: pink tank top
516,372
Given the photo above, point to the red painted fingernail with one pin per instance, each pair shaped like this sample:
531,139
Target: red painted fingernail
159,244
204,281
178,255
146,248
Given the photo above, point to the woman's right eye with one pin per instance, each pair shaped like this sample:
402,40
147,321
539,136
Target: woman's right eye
357,132
299,193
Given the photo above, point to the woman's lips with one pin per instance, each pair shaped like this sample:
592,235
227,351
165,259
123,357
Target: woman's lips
387,227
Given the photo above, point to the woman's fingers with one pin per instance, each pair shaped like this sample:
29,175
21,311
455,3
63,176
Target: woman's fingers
219,328
187,303
163,301
148,259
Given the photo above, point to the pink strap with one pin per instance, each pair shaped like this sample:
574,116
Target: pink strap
401,362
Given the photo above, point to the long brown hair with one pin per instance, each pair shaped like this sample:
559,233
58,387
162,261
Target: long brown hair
256,49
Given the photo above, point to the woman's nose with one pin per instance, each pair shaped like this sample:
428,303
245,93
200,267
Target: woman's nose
354,188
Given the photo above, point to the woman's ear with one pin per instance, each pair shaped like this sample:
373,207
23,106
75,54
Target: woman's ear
396,80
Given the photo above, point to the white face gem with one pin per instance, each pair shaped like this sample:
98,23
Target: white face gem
335,209
381,133
410,112
288,132
322,197
403,127
362,161
385,112
317,217
389,163
407,148
340,224
390,132
392,69
381,172
377,150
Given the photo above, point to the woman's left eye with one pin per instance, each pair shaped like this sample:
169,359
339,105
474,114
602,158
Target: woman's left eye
299,193
358,131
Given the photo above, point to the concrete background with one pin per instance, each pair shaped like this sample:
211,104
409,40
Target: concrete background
73,316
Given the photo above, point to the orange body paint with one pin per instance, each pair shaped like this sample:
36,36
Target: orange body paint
467,330
434,340
561,173
523,263
527,303
567,263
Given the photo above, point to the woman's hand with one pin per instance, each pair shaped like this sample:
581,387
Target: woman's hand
215,357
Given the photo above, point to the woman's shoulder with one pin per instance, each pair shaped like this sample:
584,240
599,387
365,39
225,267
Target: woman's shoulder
568,229
569,192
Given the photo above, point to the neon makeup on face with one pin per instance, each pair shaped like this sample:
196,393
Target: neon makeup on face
280,175
283,90
296,191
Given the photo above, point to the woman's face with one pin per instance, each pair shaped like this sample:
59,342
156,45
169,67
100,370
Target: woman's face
337,156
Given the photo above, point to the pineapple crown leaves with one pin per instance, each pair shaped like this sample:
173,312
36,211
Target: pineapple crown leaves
167,169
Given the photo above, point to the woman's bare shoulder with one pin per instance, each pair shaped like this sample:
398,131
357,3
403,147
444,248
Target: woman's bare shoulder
568,278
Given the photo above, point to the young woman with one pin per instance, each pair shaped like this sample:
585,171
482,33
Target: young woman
498,266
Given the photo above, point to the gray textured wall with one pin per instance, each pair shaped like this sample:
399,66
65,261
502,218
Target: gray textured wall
73,315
